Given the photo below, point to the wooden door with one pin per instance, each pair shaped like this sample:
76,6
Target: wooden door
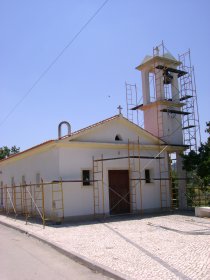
119,195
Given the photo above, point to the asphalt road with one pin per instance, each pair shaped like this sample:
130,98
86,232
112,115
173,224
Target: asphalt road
24,258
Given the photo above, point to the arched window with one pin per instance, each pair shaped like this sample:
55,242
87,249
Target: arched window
118,137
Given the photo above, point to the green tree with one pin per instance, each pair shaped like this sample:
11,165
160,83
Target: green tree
198,164
5,152
14,150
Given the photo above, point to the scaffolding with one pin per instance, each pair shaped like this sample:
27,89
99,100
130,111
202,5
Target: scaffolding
186,115
9,200
28,200
133,158
164,182
179,101
98,185
190,121
186,94
134,174
57,201
132,102
173,181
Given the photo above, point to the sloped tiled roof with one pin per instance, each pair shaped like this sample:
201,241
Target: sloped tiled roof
30,149
77,133
51,141
91,126
106,121
96,124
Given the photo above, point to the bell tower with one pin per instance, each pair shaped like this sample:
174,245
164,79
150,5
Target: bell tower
162,103
170,113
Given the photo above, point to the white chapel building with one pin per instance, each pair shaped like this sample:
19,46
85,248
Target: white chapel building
111,167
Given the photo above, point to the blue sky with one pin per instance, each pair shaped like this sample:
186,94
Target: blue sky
87,83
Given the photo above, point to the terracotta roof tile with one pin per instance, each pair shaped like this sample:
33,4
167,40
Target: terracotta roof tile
95,124
32,148
91,126
74,133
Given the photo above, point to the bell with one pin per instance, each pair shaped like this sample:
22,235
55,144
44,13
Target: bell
167,77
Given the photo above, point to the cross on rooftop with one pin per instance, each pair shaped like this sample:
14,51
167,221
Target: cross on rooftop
120,109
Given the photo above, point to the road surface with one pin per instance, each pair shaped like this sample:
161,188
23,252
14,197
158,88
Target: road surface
22,257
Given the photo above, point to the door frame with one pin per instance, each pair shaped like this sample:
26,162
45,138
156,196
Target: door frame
129,194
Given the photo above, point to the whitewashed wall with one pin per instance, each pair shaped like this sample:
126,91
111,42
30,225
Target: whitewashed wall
45,163
69,158
72,162
107,133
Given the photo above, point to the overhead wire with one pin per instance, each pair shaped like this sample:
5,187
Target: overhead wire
53,62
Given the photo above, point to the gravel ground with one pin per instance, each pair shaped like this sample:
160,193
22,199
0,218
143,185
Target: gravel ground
170,246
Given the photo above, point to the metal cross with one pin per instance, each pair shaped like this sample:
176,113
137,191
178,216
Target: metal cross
120,109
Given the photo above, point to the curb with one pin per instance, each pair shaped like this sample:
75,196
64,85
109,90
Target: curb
106,271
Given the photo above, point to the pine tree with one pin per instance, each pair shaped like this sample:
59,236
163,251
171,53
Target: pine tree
6,152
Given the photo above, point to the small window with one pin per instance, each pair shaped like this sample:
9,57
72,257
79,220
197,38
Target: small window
12,182
118,137
23,180
86,178
38,180
147,176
